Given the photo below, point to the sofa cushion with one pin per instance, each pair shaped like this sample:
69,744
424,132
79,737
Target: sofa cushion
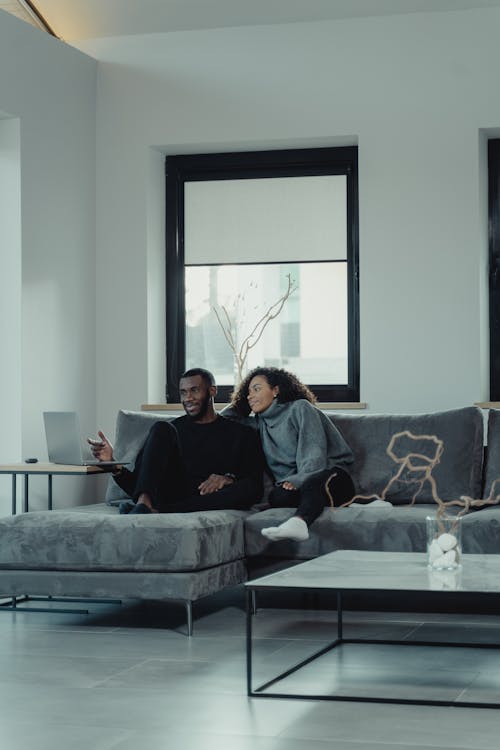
132,429
457,473
96,538
481,531
401,529
390,529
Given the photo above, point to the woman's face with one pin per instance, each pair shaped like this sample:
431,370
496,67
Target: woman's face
260,394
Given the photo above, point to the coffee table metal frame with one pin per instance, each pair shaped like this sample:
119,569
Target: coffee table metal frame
262,691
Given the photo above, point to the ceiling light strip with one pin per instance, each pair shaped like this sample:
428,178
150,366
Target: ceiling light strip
30,8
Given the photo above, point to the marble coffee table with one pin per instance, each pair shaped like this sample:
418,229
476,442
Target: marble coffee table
359,572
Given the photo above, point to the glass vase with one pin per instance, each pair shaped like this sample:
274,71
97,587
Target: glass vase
444,542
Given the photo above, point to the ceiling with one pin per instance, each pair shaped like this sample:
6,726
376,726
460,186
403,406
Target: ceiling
74,20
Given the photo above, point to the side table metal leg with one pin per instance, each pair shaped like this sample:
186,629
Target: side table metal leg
26,493
14,494
49,492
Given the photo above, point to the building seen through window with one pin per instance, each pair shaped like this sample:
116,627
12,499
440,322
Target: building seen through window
309,336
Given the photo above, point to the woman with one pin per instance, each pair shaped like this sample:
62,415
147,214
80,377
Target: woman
304,451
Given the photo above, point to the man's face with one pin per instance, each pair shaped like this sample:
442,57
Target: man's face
195,396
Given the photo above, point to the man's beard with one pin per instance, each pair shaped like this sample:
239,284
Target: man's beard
204,404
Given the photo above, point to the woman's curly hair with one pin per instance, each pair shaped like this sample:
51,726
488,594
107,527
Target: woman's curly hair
290,388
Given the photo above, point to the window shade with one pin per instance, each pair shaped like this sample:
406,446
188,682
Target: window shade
281,219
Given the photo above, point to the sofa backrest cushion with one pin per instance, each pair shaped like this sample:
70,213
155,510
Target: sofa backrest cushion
132,428
457,473
492,469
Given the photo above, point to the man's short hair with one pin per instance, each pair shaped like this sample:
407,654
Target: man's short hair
205,374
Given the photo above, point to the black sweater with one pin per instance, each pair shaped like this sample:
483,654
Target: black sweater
219,447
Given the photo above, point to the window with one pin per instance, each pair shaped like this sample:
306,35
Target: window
262,247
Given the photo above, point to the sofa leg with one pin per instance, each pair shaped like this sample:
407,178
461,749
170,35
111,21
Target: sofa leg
189,617
254,602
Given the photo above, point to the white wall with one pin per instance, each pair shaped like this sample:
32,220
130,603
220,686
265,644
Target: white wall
10,290
47,249
413,91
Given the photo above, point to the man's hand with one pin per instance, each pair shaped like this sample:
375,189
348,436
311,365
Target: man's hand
101,449
214,483
288,486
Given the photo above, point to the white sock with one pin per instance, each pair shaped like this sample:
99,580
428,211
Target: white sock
295,528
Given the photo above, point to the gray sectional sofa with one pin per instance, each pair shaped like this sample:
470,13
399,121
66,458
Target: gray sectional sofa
92,551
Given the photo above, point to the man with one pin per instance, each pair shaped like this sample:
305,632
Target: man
201,461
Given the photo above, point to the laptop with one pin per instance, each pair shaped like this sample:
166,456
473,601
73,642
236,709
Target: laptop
64,442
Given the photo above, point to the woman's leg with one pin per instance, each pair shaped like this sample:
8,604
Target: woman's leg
309,501
314,497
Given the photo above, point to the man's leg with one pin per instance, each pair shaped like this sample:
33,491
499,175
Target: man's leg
158,469
230,497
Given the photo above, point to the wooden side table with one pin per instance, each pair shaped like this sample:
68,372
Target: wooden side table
43,469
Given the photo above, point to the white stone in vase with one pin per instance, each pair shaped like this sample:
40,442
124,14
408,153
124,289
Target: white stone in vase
449,558
435,551
447,541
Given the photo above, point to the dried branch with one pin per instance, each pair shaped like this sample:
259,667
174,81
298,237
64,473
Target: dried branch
268,316
240,353
226,331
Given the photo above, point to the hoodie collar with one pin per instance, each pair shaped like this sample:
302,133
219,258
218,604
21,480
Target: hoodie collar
273,413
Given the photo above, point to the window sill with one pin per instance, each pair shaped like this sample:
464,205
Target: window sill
333,405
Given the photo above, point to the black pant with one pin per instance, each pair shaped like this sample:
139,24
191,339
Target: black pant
312,497
159,472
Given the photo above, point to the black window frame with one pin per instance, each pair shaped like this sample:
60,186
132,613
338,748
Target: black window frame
254,165
494,264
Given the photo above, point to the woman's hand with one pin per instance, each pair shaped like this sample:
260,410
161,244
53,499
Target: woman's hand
288,486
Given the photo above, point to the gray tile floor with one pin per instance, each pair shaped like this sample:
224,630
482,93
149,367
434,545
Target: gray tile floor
126,677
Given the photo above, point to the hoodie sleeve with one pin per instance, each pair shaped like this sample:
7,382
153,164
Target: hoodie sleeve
319,444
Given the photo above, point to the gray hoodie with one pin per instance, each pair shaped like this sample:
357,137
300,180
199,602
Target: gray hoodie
299,440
